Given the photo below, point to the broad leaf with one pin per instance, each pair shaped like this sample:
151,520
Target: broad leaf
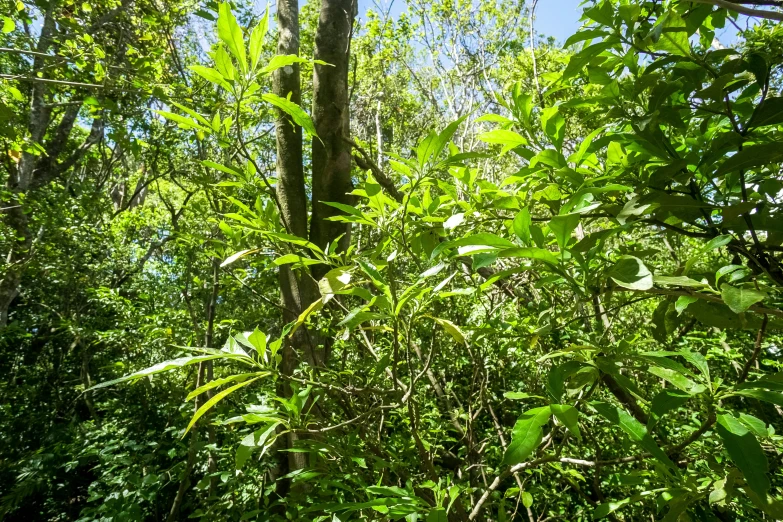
739,299
214,400
753,157
299,116
231,34
629,272
745,451
569,416
526,435
257,39
633,428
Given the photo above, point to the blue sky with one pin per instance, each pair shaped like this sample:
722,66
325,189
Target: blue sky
558,18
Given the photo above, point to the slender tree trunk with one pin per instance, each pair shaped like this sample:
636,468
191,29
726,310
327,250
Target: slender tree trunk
290,169
184,483
209,339
203,376
20,179
331,153
297,291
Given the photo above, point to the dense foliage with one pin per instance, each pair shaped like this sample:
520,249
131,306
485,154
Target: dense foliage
310,264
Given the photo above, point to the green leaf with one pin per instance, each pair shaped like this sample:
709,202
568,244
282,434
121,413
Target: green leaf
633,428
288,259
754,424
768,113
745,451
553,125
373,273
211,75
683,301
699,361
8,25
753,157
184,122
581,36
517,396
348,209
739,299
259,437
562,227
451,328
569,416
282,60
191,112
674,35
604,509
231,34
439,143
526,435
530,253
601,13
677,379
215,383
666,401
257,39
299,116
509,139
258,340
762,395
165,367
214,400
677,281
527,499
558,375
256,439
334,281
629,272
484,239
222,168
294,240
521,225
233,257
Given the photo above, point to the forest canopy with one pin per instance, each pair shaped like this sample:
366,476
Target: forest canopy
413,261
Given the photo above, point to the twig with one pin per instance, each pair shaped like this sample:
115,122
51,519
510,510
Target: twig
756,350
366,162
747,11
705,297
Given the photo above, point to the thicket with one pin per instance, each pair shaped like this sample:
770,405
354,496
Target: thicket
307,263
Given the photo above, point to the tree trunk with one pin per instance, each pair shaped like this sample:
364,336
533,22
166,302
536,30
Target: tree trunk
297,291
20,179
331,153
203,376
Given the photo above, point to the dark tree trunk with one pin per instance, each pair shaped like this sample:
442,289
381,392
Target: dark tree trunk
297,290
331,153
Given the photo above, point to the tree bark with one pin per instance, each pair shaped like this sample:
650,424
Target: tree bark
331,153
203,376
297,290
20,178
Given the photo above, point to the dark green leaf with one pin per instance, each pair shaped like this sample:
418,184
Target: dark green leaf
753,157
526,435
745,451
629,272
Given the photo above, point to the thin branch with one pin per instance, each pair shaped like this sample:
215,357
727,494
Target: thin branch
365,161
747,11
756,350
705,297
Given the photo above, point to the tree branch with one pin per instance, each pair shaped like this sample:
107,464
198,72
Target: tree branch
738,8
